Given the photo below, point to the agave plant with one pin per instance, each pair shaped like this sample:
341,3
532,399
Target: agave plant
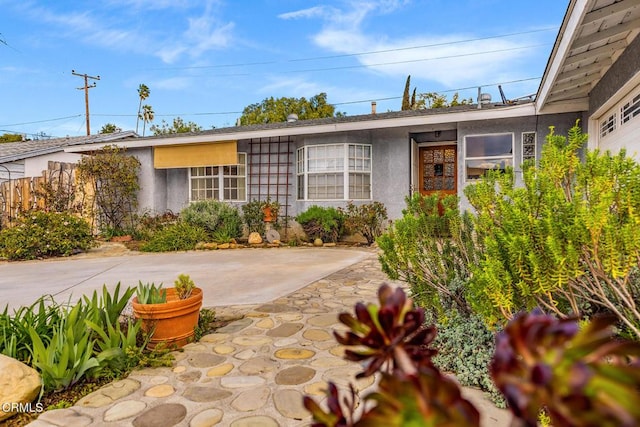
582,377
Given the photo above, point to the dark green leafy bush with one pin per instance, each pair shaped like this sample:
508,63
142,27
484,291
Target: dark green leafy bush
254,217
324,223
214,216
180,236
40,234
368,219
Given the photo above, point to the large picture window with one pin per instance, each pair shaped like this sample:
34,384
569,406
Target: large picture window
220,182
487,152
334,172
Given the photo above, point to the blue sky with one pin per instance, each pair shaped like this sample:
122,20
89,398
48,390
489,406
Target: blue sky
205,60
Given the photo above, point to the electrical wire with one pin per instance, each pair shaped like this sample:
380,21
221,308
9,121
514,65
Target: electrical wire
348,55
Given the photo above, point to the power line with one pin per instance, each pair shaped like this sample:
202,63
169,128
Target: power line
382,64
43,121
347,55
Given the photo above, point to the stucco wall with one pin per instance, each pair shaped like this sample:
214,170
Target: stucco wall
539,124
34,166
620,73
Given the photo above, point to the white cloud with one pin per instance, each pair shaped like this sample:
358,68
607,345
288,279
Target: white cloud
173,83
316,11
445,60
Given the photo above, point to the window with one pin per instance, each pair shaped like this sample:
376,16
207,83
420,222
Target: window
487,152
528,146
334,172
220,182
630,109
607,126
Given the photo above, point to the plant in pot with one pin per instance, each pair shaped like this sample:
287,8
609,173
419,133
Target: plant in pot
168,315
270,210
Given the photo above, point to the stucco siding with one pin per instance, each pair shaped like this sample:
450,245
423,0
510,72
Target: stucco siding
622,71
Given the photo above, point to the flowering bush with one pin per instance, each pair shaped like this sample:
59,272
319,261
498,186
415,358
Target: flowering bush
42,234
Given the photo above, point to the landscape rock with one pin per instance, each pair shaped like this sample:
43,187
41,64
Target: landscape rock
18,383
255,238
318,242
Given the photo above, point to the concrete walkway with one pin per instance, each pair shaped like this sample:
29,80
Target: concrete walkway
227,277
254,371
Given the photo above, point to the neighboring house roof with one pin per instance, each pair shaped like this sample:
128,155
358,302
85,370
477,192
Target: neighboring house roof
14,151
593,35
388,120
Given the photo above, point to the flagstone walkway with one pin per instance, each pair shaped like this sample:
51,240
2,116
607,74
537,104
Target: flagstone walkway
252,372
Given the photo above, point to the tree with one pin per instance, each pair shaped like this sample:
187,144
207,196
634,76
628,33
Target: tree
110,128
273,110
113,177
406,102
147,116
436,100
10,137
178,126
143,93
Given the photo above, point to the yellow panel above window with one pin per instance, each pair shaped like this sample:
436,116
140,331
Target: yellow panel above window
193,155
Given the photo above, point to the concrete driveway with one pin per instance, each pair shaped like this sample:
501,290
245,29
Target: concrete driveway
227,277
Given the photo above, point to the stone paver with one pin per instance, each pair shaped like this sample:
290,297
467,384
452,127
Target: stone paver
254,371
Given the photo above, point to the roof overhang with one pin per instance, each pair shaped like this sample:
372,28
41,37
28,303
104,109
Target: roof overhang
239,133
594,33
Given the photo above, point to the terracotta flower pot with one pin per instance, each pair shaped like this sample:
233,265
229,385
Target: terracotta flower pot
172,322
267,214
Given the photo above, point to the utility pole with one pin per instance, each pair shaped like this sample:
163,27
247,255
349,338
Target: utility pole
86,93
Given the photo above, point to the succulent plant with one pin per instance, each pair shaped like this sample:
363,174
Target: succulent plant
582,377
390,335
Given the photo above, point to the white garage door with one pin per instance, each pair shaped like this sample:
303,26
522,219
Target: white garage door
620,126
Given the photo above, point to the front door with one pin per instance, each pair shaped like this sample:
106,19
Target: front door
438,170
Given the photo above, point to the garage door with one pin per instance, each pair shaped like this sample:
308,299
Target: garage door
620,126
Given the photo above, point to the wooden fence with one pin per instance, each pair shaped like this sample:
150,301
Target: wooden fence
56,189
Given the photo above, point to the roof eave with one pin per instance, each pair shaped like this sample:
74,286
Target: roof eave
561,49
390,123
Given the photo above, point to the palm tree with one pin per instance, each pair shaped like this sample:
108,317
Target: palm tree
143,93
147,116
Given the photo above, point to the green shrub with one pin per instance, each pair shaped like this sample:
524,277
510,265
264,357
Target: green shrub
432,252
320,222
148,224
40,234
253,216
465,347
213,216
180,236
368,220
566,240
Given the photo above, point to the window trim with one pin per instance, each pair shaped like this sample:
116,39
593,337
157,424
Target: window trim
464,165
302,170
220,178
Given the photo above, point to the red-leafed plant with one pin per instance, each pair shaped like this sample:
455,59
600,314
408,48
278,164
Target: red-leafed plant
580,377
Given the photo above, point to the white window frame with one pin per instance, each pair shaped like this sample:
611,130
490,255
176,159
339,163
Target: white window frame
333,167
220,177
466,158
535,146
